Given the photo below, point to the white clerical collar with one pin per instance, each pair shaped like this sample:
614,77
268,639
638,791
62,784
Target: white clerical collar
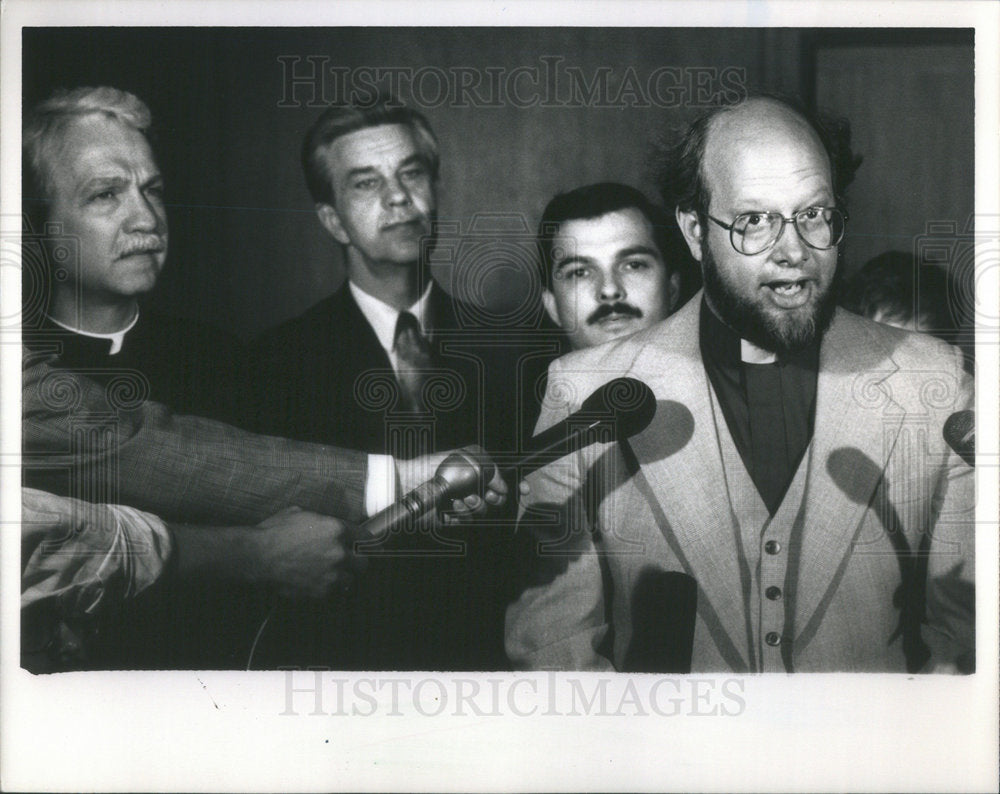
117,338
751,354
383,318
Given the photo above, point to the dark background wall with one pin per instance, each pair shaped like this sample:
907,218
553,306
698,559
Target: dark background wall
246,249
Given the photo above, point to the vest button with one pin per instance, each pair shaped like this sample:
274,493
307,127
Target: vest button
773,593
772,547
772,638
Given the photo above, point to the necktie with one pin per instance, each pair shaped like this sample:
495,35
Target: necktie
413,360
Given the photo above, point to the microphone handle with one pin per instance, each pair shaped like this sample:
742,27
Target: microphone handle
546,447
405,512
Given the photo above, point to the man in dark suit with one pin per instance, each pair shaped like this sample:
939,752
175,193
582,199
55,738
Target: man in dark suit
384,365
367,366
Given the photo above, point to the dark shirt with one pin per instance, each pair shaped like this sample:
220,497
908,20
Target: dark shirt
183,364
191,368
769,408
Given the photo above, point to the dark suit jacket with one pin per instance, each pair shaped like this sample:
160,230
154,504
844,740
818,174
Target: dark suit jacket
324,377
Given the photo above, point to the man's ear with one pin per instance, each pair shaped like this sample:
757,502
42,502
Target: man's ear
692,231
549,302
674,291
331,222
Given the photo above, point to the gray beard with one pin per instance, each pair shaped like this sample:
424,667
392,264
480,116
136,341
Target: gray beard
782,334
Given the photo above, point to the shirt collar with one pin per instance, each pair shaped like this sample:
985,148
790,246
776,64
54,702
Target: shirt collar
117,338
383,318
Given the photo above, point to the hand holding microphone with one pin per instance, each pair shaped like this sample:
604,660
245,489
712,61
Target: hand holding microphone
467,479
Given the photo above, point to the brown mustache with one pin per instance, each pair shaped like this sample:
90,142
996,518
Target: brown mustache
607,309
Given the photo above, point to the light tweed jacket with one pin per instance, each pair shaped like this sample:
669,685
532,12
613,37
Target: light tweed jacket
617,529
111,445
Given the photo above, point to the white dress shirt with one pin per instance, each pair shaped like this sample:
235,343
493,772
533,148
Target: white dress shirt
382,484
383,318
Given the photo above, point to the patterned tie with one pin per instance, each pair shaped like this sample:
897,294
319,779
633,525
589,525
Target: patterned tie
413,360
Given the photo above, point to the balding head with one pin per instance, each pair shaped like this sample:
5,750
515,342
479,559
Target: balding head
761,123
680,174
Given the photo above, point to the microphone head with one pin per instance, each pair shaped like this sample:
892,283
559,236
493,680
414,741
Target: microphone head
630,403
960,434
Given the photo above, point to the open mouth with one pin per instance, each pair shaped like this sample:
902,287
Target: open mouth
789,294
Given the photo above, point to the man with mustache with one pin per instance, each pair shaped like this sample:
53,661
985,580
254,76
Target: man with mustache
794,505
105,201
610,263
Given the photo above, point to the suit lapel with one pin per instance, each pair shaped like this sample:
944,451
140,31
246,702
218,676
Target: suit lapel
686,487
363,347
856,426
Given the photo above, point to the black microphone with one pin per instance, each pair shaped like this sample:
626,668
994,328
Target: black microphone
619,409
960,434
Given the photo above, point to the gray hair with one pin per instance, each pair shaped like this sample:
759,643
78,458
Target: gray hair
45,128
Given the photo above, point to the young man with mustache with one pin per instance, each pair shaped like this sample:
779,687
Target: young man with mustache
610,263
794,505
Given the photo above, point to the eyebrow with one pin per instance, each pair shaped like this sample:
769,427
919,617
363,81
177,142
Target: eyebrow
414,158
576,259
371,169
625,253
116,181
638,249
102,181
820,198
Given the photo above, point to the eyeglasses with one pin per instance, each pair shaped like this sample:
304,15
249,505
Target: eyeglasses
751,233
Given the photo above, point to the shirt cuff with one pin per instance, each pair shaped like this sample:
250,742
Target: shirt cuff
381,484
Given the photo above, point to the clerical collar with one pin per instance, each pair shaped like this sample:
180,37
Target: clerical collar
723,345
383,318
117,338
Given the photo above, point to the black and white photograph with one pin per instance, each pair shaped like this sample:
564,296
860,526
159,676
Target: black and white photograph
465,397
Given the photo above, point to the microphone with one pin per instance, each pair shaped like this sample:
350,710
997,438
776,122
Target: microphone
960,434
459,475
619,409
